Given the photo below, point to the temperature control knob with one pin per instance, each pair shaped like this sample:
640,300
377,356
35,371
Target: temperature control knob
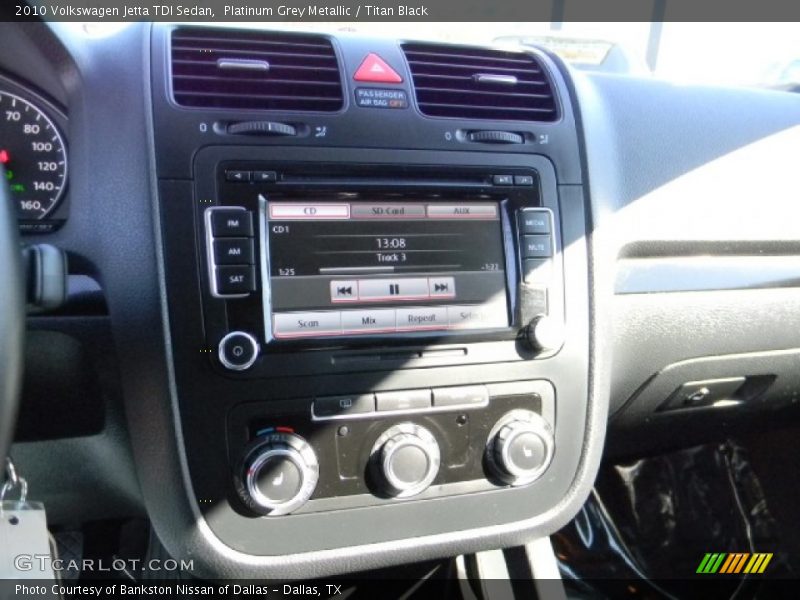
520,447
406,458
278,474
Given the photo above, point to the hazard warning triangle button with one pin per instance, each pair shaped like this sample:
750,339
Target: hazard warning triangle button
375,70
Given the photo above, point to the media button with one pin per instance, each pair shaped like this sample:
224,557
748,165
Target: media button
426,317
462,211
368,321
344,291
477,317
442,287
291,325
389,290
534,221
403,400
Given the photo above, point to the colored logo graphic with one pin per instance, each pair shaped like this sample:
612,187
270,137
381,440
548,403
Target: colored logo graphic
734,562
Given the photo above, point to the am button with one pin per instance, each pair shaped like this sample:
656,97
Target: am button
233,251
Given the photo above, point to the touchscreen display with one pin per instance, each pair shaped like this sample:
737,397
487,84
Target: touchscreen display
356,268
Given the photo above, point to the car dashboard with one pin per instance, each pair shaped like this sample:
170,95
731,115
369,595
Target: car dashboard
340,302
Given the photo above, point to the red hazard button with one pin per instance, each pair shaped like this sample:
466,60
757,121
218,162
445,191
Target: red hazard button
375,70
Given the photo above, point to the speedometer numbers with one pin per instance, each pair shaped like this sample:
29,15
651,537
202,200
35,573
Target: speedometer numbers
33,156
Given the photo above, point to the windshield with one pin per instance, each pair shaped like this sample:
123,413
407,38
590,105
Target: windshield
736,54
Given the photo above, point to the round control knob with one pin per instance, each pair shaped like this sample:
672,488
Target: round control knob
407,459
278,473
544,334
238,351
520,447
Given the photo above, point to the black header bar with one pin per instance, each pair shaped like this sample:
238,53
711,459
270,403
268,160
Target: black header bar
254,11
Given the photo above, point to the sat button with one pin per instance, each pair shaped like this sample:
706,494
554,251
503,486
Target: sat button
236,279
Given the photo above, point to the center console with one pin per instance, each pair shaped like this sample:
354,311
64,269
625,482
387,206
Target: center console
376,349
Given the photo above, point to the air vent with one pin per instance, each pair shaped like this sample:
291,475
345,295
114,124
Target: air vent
221,68
475,83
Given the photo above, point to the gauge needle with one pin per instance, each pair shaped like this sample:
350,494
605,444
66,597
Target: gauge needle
5,157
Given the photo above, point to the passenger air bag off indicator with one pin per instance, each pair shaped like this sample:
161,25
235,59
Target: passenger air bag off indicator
374,69
381,98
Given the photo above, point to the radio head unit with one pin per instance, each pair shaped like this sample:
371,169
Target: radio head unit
337,257
337,268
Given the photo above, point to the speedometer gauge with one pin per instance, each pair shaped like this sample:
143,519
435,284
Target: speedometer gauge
33,155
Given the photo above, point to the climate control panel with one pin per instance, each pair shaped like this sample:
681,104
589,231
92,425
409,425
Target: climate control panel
362,449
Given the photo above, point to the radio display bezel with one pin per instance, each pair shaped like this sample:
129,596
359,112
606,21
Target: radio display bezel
498,311
374,182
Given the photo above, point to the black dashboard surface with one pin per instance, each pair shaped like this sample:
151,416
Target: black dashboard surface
670,182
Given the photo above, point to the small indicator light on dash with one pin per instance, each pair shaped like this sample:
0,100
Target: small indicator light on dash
5,157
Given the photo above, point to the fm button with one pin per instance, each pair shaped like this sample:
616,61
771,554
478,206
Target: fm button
238,351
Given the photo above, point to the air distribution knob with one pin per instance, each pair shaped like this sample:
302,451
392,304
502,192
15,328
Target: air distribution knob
544,334
406,458
278,473
520,447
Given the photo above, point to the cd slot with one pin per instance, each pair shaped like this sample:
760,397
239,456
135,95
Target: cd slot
323,181
399,355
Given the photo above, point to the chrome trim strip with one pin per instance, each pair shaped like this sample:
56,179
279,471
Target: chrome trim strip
242,64
266,287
